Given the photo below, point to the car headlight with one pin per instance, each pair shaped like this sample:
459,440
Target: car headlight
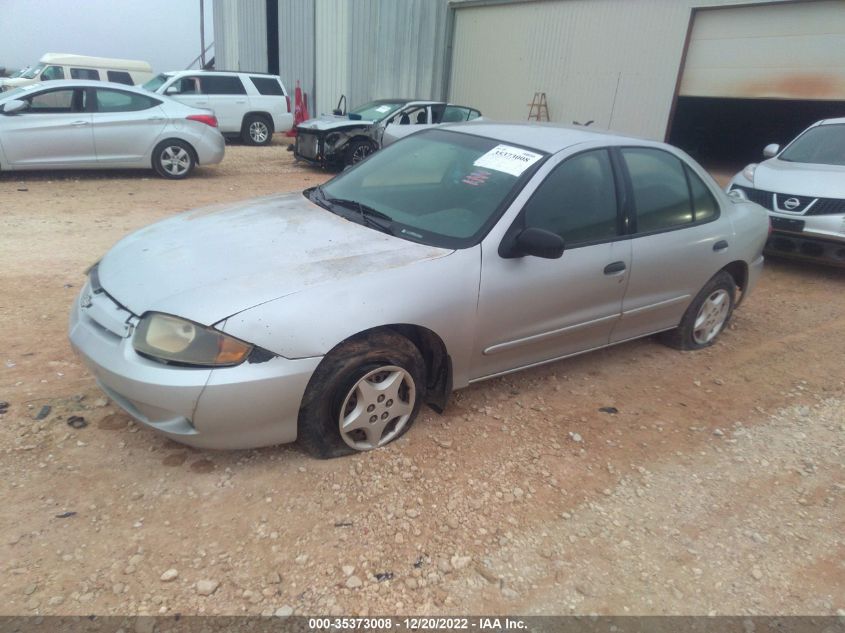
174,340
748,172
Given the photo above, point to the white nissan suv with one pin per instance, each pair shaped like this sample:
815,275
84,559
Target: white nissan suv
251,106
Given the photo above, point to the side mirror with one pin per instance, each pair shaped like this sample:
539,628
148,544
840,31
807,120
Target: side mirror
538,243
171,90
15,105
771,150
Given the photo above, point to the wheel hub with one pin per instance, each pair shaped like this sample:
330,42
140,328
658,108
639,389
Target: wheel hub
377,408
711,316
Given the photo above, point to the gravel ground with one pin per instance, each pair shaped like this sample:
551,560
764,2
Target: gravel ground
717,487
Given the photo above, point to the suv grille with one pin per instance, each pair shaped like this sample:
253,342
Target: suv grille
822,206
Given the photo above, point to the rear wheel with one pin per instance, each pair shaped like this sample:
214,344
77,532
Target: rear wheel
173,159
365,394
707,316
256,130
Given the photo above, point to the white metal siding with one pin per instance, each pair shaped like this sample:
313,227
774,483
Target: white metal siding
788,51
240,35
296,47
611,61
332,55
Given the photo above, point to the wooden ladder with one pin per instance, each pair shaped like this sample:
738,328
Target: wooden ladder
539,107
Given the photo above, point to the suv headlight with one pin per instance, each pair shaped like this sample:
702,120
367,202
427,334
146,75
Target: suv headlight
174,340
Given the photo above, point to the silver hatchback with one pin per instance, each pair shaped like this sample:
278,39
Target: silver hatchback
455,255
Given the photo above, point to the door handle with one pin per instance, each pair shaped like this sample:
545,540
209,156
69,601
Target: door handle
78,123
720,245
240,101
615,267
156,118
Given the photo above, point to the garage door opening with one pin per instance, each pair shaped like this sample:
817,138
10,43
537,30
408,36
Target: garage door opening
726,134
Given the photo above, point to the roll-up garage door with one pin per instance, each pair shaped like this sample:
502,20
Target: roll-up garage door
794,50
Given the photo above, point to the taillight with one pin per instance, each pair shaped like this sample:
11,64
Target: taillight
208,119
287,99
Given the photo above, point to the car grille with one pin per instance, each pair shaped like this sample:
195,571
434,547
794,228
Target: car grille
307,145
822,206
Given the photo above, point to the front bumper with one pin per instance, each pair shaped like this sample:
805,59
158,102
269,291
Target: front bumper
809,233
246,406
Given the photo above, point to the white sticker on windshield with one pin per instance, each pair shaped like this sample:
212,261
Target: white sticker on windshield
384,108
509,159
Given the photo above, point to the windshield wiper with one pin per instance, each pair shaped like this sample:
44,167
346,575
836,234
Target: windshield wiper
369,216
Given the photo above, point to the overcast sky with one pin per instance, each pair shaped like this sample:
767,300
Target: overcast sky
165,33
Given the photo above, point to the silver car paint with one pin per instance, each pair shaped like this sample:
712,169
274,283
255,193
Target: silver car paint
290,277
98,140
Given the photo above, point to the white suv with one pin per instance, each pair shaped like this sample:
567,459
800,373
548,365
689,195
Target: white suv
250,105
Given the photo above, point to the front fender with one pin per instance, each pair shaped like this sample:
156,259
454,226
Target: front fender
440,294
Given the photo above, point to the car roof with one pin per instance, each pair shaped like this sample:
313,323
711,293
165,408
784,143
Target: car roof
230,73
82,83
837,121
547,137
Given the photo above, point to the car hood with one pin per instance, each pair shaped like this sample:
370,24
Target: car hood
332,122
14,83
800,179
208,264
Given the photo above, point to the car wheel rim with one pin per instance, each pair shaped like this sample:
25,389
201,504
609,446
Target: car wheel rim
377,408
258,131
175,160
361,152
711,317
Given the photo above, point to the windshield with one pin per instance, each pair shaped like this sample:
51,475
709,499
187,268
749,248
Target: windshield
376,110
18,73
821,145
33,72
156,82
436,187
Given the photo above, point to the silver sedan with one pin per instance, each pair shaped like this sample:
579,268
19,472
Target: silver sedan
453,256
97,125
803,187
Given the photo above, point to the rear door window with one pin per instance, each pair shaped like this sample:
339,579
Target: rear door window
120,77
84,73
119,101
269,86
222,85
661,194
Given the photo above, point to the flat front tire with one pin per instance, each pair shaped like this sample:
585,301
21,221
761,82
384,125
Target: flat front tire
173,159
707,316
365,394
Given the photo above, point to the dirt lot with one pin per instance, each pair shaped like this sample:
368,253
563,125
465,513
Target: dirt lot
718,487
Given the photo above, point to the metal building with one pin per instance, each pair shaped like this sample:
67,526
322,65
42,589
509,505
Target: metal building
364,49
696,72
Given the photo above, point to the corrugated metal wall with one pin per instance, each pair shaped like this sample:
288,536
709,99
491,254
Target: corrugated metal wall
332,57
240,35
393,49
613,61
296,46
